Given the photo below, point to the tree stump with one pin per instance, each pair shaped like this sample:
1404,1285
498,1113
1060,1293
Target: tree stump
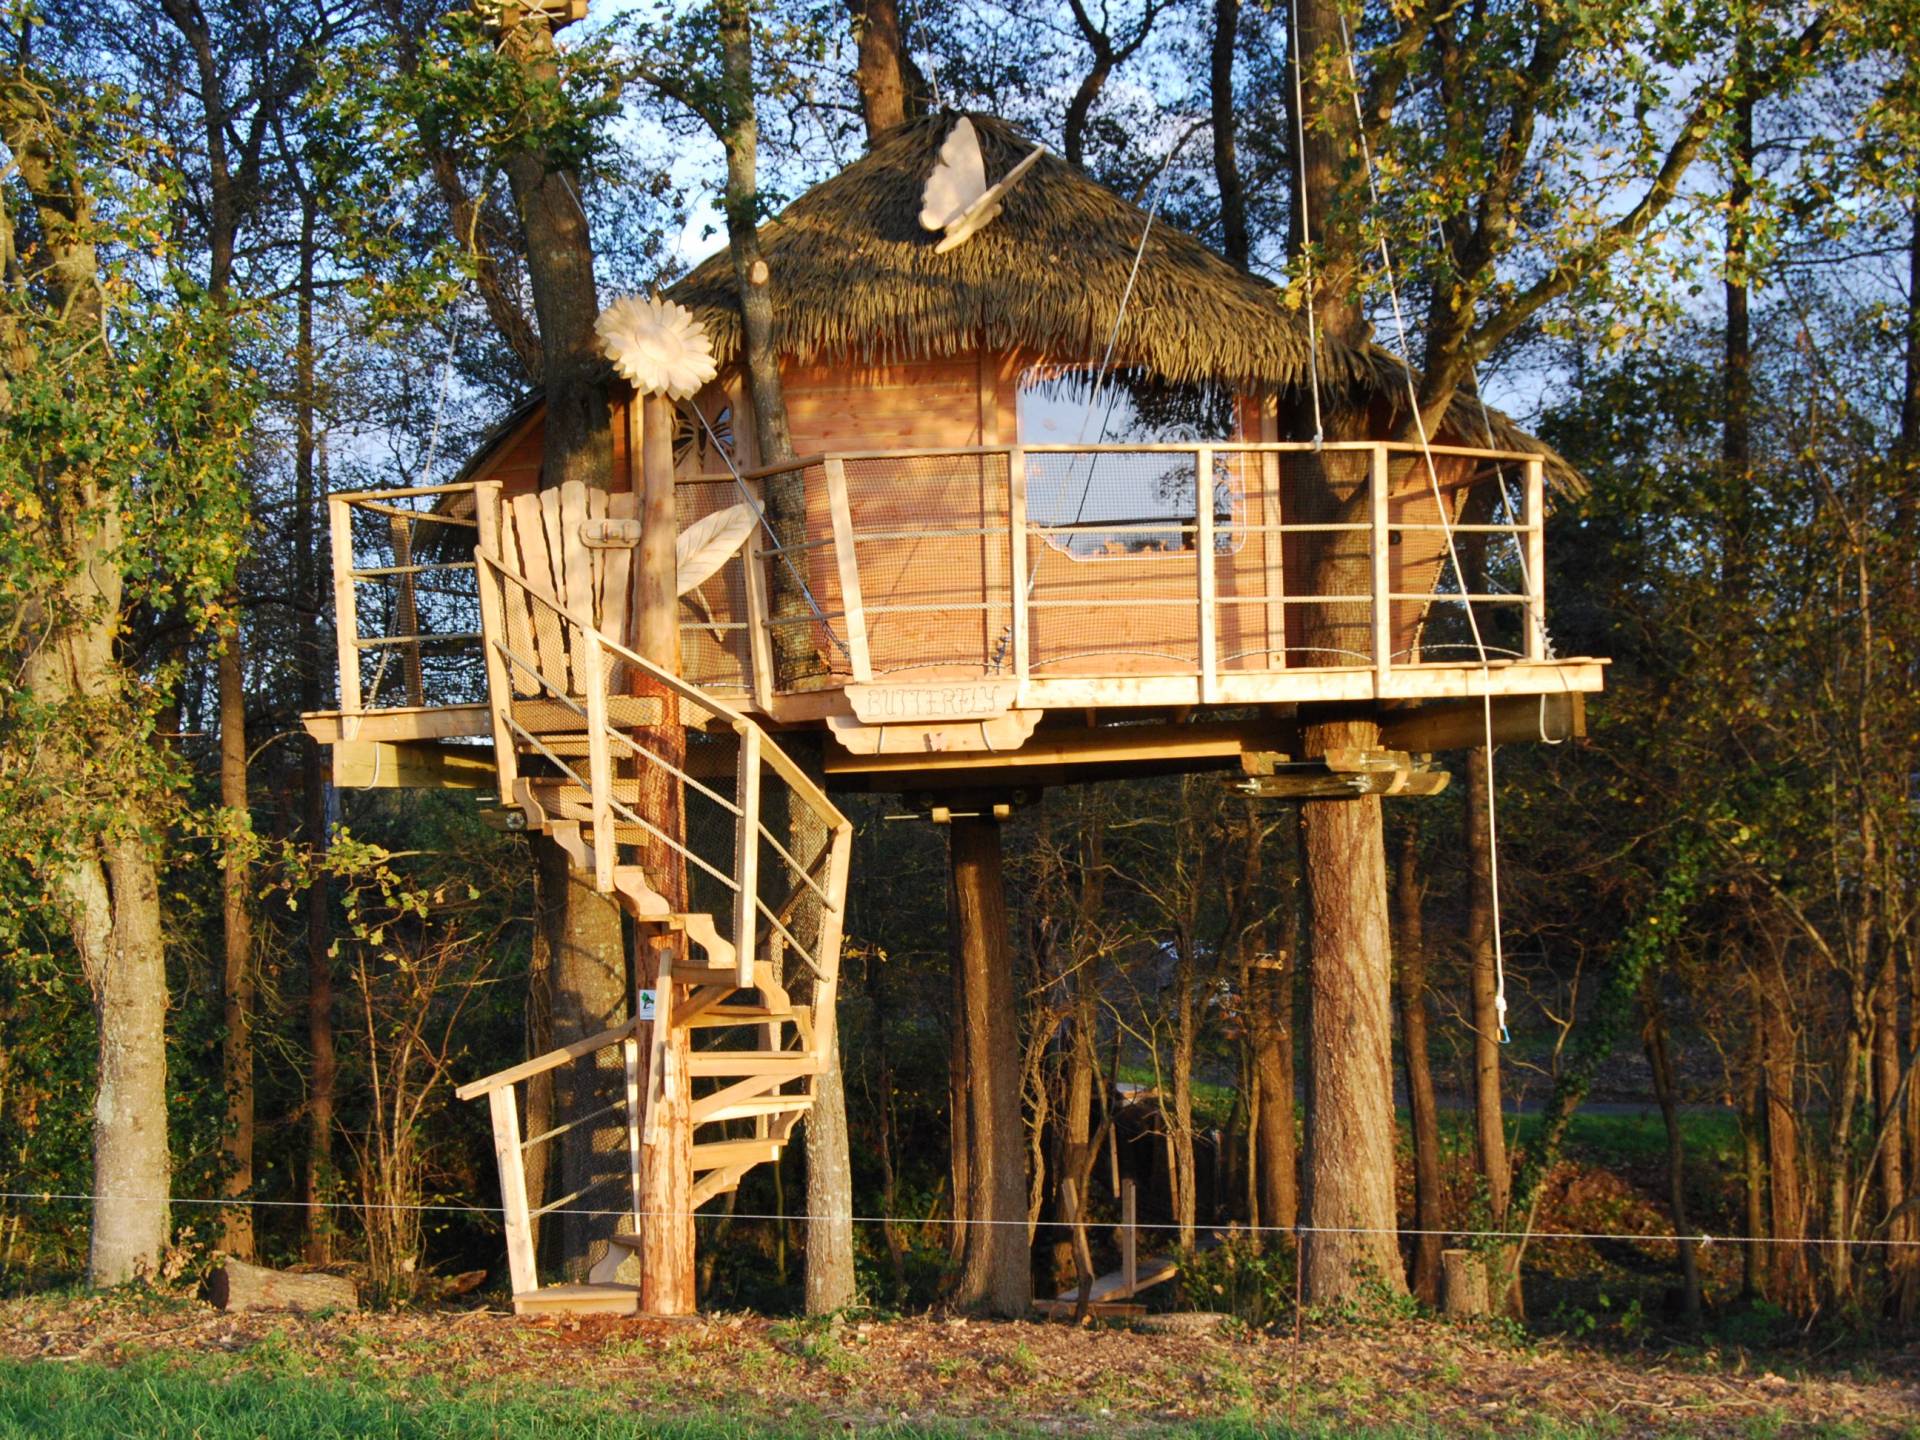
1463,1289
237,1286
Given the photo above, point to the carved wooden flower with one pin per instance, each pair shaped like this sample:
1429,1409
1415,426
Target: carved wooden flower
656,344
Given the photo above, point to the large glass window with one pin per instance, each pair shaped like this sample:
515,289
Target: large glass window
1097,505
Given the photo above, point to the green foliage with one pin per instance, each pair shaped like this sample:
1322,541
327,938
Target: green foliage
1250,1281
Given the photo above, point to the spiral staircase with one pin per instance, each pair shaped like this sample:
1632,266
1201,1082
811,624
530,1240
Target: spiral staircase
728,857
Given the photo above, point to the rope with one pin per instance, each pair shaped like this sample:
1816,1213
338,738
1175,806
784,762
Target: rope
807,1217
1446,524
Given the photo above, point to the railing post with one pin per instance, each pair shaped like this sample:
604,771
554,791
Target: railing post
599,760
1534,512
746,853
1382,573
1019,619
513,1190
855,616
1203,546
630,1054
499,687
346,617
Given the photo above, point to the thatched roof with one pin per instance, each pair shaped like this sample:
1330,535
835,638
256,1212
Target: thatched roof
855,275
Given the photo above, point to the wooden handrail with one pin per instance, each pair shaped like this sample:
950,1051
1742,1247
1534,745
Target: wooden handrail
540,1064
803,785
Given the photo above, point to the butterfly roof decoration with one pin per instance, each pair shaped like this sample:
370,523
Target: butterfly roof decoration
957,200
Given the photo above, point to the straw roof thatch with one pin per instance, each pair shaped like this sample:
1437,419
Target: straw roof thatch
855,275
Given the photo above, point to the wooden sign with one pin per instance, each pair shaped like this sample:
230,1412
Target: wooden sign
919,704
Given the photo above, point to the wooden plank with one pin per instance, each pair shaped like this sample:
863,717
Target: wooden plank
435,722
719,1154
746,851
1461,724
1209,581
415,765
513,1188
493,631
1129,1238
346,620
548,650
599,761
513,600
616,586
574,564
855,619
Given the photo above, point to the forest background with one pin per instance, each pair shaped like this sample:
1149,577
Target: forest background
257,254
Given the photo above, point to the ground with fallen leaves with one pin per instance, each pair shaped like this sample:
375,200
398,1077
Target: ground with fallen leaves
1429,1377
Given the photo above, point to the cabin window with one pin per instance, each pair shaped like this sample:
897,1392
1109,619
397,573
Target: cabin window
1102,505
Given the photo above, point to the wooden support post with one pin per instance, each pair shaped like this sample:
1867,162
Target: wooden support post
854,618
513,1190
746,853
1203,546
1021,618
1534,513
346,619
667,1276
1129,1237
1382,578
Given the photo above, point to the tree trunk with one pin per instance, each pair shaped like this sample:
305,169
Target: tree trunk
797,658
1235,243
1350,1120
1887,1115
590,982
237,976
892,89
1423,1111
1666,1091
1350,1206
1792,1283
236,1287
1489,1117
1270,999
996,1278
1180,1142
578,439
959,1121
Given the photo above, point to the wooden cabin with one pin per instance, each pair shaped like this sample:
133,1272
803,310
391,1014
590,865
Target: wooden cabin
1000,534
1042,527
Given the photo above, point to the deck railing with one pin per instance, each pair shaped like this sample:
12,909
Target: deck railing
1017,565
1047,562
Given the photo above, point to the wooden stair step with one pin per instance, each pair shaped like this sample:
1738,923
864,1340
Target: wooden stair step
604,1299
750,1062
723,1154
551,717
725,1015
766,1105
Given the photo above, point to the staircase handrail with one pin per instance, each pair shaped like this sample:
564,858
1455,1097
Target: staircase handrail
790,771
540,1064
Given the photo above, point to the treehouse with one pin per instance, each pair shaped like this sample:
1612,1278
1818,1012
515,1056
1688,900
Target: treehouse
1041,528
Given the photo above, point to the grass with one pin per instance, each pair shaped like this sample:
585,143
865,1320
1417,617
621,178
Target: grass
158,1399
